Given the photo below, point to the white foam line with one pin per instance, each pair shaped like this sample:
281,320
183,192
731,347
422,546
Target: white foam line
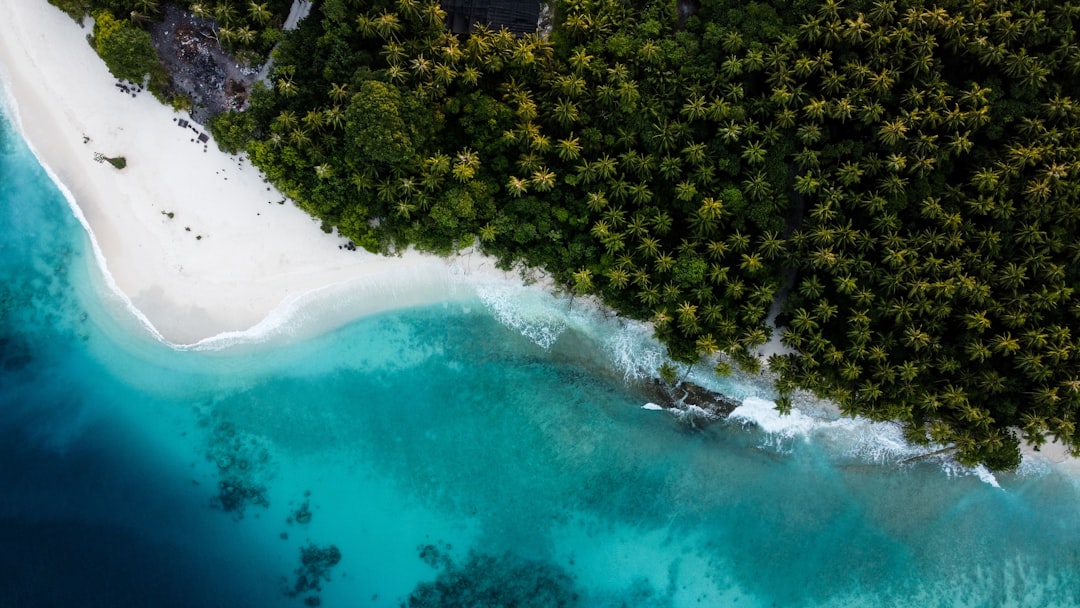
11,109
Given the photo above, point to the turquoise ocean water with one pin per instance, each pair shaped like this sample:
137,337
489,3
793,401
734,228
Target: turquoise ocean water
483,452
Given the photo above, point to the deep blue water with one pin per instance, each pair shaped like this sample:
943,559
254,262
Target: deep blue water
438,456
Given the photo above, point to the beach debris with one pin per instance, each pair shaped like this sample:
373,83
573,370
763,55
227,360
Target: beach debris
118,161
128,88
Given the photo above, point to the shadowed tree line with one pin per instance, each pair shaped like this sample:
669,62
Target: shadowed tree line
908,168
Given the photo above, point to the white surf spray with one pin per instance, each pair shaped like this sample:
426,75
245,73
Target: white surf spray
856,438
530,311
780,430
633,350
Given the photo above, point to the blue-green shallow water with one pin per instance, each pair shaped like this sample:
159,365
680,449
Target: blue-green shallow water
450,461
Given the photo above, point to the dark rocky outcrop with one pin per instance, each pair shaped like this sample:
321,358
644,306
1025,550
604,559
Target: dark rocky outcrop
199,68
693,404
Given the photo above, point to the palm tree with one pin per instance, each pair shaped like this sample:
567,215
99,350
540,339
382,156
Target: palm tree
649,246
695,108
566,112
577,25
695,153
421,65
299,138
543,179
146,7
259,13
583,281
539,142
285,84
286,121
387,25
488,232
224,12
670,167
757,187
339,93
685,191
313,120
649,295
580,59
596,201
731,67
201,10
465,164
226,35
628,95
569,148
444,74
754,153
638,193
687,313
771,246
662,223
471,75
605,167
649,53
638,226
665,134
517,186
335,117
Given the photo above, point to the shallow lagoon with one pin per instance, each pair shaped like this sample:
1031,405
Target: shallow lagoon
489,447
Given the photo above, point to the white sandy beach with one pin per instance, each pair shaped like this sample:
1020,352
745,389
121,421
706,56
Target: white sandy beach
254,255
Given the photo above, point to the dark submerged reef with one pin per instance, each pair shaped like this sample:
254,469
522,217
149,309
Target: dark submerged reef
316,564
302,514
488,580
240,460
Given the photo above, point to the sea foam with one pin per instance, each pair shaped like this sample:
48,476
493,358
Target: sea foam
527,310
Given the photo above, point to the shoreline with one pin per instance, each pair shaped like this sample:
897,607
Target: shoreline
249,266
192,240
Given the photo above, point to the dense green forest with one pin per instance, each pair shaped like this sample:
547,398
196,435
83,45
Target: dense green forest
902,176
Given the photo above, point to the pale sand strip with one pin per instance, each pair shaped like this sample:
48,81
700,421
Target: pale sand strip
254,255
